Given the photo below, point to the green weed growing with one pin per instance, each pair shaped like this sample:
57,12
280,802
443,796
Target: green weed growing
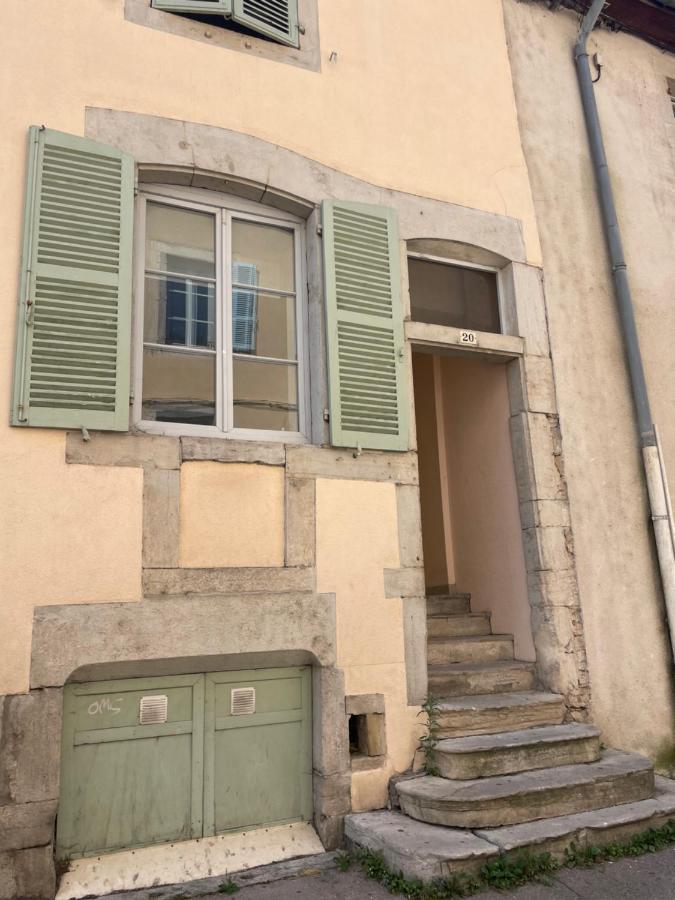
429,741
510,870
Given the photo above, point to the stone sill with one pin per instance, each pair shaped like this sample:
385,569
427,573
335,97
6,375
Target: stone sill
362,763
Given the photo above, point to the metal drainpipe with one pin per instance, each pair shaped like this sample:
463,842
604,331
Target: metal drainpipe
652,458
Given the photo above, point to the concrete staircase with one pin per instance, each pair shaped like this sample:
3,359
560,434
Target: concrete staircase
512,774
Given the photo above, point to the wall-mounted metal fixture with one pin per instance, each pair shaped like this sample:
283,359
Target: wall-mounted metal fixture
652,459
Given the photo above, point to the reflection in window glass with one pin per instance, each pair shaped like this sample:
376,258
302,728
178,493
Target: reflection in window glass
265,395
270,331
179,387
264,326
179,312
269,249
443,294
179,240
244,307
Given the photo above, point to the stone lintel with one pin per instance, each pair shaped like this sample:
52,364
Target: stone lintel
152,451
368,465
189,628
256,579
360,704
226,450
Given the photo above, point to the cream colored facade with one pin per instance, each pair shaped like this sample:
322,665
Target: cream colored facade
123,66
419,112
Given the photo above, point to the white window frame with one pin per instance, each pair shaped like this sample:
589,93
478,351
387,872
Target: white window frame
224,208
463,264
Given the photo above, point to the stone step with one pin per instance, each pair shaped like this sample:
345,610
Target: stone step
497,677
418,851
458,626
617,777
487,755
448,604
476,648
492,713
427,852
595,828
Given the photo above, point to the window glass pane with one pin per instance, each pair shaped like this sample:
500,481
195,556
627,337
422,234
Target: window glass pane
265,395
179,386
263,324
180,240
453,296
263,255
179,311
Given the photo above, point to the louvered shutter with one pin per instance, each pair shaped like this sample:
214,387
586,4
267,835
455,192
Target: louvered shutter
74,320
218,7
366,358
277,19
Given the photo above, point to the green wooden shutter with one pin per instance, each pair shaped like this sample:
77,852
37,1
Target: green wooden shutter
277,19
366,358
74,319
219,7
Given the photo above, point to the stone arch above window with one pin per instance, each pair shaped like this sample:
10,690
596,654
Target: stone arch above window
225,183
457,251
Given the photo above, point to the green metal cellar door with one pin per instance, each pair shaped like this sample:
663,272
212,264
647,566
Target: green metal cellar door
258,749
143,764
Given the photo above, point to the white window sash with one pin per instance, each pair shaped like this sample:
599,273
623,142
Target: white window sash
237,210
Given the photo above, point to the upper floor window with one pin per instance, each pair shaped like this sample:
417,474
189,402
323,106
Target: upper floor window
219,302
222,320
275,19
454,295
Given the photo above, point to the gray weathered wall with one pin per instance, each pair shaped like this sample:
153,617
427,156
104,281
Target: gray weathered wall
624,619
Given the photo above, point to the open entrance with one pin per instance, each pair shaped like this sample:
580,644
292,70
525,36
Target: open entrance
470,518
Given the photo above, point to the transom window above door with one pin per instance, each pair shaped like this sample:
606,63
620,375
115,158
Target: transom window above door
454,295
222,321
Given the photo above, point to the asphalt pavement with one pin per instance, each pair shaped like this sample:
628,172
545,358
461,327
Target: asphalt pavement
649,877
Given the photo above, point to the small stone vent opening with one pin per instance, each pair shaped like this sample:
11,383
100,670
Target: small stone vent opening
367,731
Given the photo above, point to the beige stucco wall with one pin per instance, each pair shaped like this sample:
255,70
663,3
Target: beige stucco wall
447,130
68,534
356,538
231,515
628,651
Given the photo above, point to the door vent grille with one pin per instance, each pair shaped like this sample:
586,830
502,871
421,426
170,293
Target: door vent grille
154,709
242,701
